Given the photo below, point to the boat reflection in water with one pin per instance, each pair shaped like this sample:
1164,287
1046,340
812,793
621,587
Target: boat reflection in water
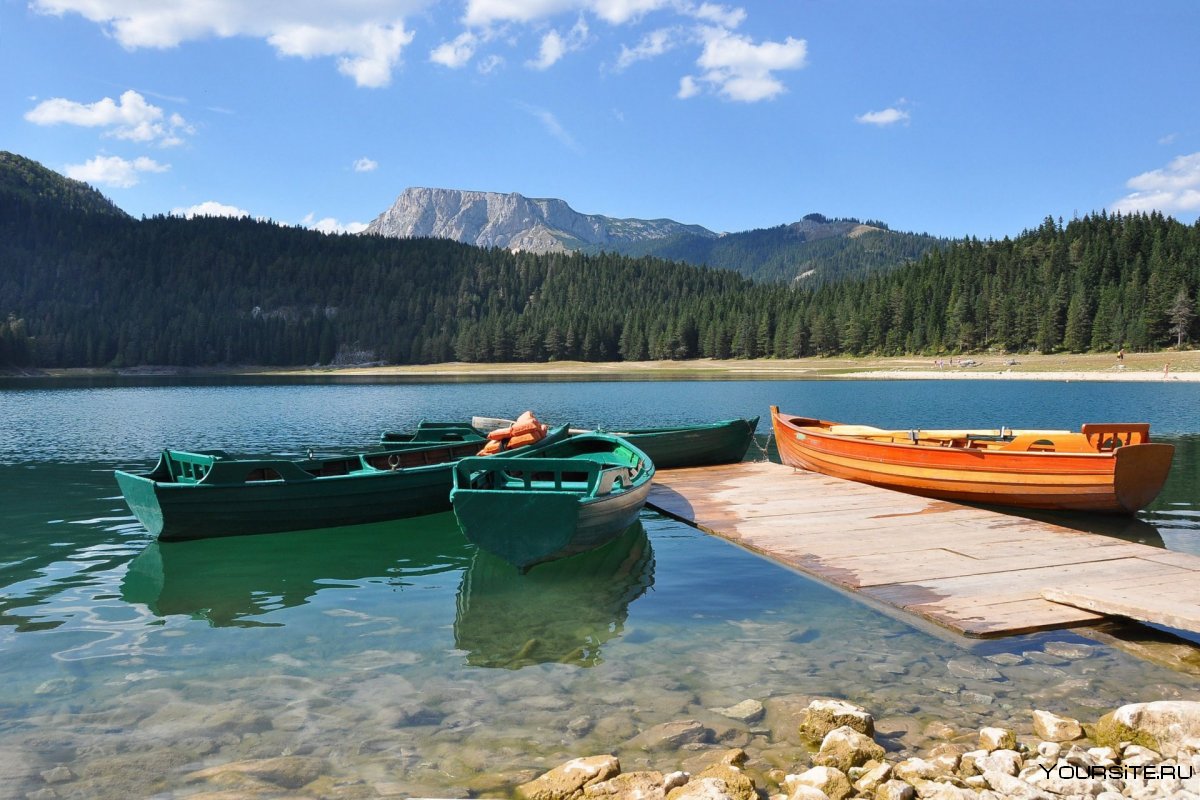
230,580
561,611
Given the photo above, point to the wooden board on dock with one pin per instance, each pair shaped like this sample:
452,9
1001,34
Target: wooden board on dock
979,572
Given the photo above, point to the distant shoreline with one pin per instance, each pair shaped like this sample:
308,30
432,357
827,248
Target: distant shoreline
1136,367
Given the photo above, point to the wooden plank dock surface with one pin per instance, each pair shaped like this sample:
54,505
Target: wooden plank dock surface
979,572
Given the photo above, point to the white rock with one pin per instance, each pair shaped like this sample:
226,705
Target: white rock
997,739
1054,728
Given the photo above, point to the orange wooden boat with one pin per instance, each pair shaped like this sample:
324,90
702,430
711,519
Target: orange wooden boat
1110,468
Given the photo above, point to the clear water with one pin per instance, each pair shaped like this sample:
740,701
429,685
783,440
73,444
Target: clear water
396,659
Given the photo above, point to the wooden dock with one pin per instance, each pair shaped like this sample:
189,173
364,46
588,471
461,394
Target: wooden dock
981,573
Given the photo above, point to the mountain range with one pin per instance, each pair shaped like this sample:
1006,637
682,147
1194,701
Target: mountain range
813,250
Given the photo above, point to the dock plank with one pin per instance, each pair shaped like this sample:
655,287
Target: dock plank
976,571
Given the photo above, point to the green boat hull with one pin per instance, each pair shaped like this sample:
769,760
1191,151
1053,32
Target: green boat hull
234,497
554,518
724,442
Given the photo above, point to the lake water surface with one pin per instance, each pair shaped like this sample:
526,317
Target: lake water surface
394,659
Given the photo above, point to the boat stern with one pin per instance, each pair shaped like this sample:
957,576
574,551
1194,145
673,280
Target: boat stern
142,498
1139,474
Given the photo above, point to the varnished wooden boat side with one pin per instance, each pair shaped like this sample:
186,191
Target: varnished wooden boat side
1121,480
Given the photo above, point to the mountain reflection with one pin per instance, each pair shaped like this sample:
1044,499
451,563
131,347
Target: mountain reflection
562,611
229,581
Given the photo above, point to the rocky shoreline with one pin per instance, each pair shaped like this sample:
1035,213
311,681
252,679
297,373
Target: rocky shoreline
1140,751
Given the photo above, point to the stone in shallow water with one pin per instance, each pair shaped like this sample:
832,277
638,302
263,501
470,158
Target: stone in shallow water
973,668
1005,659
745,711
671,735
290,772
1072,650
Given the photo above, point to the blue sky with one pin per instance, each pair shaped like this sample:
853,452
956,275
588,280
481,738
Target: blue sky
955,118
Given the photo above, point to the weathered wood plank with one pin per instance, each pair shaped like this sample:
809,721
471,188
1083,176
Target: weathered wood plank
976,571
1175,604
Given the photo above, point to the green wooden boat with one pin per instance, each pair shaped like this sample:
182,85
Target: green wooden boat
702,445
567,498
428,433
208,494
677,446
562,612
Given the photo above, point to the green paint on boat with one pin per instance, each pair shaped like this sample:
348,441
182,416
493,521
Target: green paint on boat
702,445
428,433
567,498
210,494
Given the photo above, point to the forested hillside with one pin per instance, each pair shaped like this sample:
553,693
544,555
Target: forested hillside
88,287
814,251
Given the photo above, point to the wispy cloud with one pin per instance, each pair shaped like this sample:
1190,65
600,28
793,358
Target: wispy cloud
114,171
130,117
885,117
1174,188
365,164
653,44
365,38
210,208
552,126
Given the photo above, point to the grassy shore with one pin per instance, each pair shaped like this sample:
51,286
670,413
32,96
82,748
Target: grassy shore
1183,366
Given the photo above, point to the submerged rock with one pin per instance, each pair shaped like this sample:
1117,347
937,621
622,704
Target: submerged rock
290,772
671,735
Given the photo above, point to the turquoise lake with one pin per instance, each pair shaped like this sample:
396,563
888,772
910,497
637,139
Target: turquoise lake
395,660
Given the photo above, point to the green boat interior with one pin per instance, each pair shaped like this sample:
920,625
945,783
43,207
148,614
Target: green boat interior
432,433
215,467
588,467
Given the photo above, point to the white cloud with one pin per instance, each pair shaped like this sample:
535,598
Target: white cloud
365,164
653,44
555,45
130,117
484,12
1174,188
618,12
740,70
366,36
687,87
888,116
1168,139
455,53
367,53
719,15
209,208
114,171
331,225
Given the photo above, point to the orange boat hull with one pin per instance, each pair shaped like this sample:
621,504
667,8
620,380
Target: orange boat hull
1121,481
